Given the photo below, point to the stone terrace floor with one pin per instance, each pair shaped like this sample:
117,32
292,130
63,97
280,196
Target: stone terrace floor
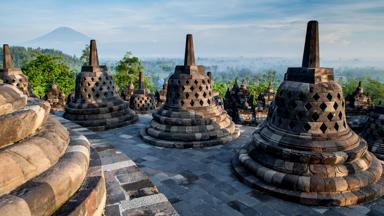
201,182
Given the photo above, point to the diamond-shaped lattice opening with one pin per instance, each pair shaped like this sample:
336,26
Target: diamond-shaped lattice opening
187,95
336,126
308,106
330,116
201,102
323,128
204,94
338,96
196,95
342,104
291,124
192,103
315,116
187,82
307,127
192,88
209,101
203,81
323,106
183,88
182,103
345,124
196,82
200,88
335,106
93,89
340,115
316,97
329,96
206,87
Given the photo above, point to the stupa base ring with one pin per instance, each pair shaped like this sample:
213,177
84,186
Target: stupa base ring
187,144
365,194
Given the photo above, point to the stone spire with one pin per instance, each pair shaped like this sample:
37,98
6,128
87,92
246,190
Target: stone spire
141,80
189,58
7,59
93,57
311,56
305,151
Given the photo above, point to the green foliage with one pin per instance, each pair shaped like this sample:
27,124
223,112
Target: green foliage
22,55
127,70
45,70
220,87
373,88
256,86
85,55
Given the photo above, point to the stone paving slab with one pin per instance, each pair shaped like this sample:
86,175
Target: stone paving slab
129,191
201,182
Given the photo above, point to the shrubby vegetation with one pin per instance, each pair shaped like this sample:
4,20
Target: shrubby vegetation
47,66
373,88
22,55
127,70
45,70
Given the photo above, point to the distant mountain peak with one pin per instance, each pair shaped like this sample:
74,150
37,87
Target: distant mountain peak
62,38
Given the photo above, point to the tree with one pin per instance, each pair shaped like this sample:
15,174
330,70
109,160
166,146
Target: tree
45,70
128,70
220,87
372,87
85,54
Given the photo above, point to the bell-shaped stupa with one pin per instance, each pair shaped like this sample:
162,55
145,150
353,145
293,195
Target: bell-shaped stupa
96,104
45,168
189,117
374,131
305,151
142,101
11,75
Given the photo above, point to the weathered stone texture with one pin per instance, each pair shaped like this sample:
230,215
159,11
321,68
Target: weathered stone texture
11,75
96,104
56,98
189,117
142,101
305,151
42,164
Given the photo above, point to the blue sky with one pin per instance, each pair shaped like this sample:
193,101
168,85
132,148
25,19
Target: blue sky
255,28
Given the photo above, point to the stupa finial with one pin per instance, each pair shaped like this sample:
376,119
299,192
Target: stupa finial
189,58
141,80
7,59
93,57
311,56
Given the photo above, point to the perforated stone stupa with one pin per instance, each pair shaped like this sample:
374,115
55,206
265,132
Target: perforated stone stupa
142,101
45,168
239,104
96,104
128,92
374,131
358,106
305,151
11,75
56,98
161,95
189,116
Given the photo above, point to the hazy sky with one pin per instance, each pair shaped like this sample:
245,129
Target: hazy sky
348,28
